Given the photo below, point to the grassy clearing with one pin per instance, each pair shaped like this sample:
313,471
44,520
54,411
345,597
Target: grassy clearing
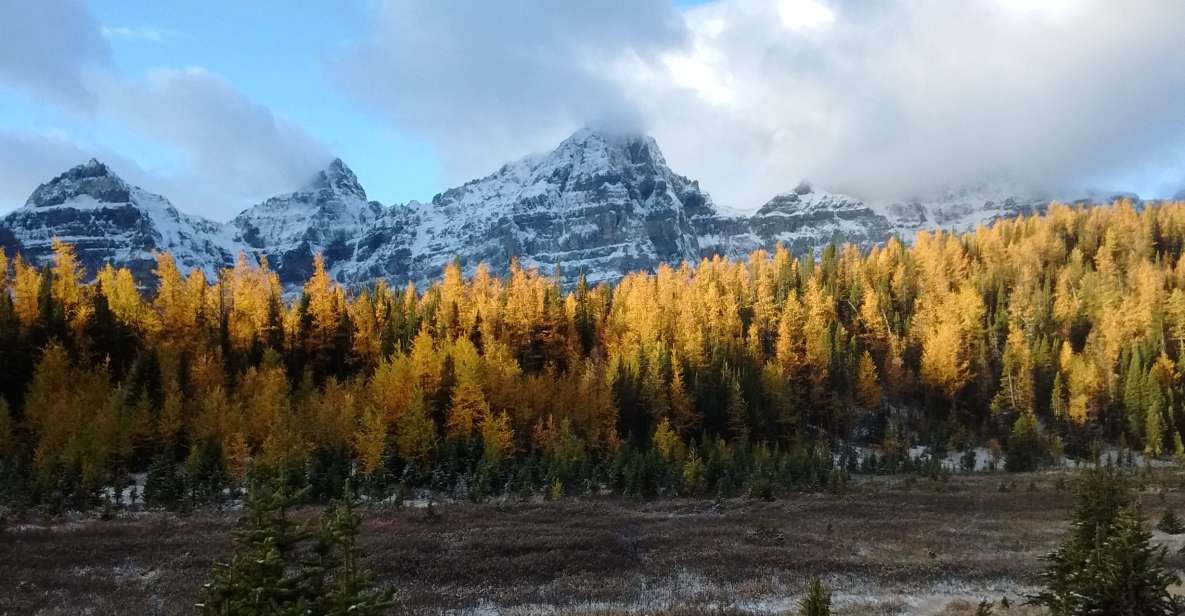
888,546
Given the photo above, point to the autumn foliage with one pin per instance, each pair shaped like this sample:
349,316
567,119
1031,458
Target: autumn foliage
1073,321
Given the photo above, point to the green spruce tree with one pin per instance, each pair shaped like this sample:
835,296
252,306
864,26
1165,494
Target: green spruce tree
1107,565
260,579
1170,523
346,588
817,601
1026,447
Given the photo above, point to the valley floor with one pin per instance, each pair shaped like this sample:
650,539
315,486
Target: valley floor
887,546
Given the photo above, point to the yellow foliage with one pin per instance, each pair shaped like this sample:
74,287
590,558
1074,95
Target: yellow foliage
467,411
497,438
868,389
415,433
26,286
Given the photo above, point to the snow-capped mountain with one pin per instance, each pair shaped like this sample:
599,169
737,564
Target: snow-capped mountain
327,215
962,208
108,220
802,220
601,204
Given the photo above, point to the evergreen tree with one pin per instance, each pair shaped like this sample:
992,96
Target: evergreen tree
260,578
1057,398
1026,449
163,486
6,436
1107,565
342,586
1170,523
817,601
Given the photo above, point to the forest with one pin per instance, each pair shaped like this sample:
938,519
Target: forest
1041,337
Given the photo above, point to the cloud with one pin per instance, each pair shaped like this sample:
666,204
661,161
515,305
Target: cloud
52,48
233,151
486,82
238,150
147,34
892,99
28,159
749,96
910,98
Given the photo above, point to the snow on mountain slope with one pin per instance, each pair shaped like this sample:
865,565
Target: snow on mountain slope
110,221
327,215
600,203
962,208
807,219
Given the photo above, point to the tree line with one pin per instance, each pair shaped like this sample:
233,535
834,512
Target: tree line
1046,334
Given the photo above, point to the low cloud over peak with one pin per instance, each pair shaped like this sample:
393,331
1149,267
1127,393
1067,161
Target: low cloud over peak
877,99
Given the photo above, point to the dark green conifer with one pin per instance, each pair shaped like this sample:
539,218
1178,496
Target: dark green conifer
1170,523
259,580
347,588
817,601
1108,565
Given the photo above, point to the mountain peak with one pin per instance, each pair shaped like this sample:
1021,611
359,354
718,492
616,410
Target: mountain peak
604,136
616,144
92,178
336,177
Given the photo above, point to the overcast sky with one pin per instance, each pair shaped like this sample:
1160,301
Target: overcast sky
221,103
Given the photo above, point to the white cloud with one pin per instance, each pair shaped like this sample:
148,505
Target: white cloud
901,98
234,151
148,34
52,48
749,96
235,146
804,14
489,81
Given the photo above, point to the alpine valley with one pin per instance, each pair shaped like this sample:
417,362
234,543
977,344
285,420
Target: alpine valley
600,204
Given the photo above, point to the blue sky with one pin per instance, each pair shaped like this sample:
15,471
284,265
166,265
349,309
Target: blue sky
273,52
221,103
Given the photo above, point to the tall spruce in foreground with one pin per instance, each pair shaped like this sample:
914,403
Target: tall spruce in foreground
259,579
1108,565
817,601
347,588
275,572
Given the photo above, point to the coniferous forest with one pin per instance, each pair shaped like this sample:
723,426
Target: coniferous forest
1044,337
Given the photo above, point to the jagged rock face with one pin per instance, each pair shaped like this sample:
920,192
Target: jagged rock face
383,251
806,219
600,204
802,220
962,209
328,215
9,245
110,221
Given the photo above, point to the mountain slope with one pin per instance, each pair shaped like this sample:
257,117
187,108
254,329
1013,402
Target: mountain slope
801,220
600,203
327,215
109,221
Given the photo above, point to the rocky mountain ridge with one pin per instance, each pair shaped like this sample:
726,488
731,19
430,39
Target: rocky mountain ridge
601,204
